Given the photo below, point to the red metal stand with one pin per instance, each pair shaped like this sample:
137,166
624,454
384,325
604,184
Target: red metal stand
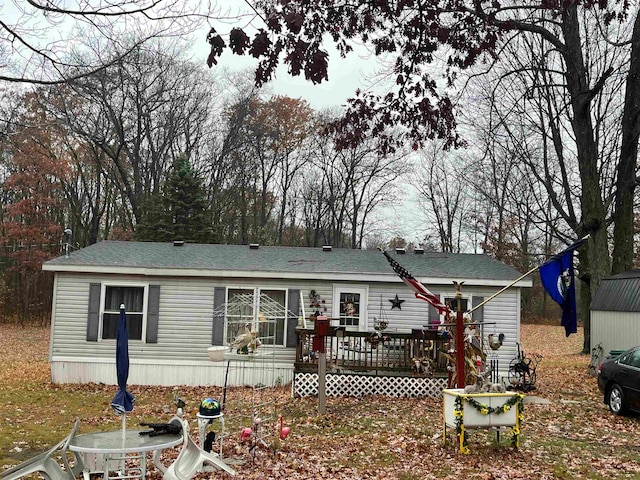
460,367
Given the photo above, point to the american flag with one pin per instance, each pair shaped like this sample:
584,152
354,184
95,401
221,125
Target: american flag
420,291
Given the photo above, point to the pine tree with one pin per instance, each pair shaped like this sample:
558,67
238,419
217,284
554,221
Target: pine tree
180,212
186,204
155,223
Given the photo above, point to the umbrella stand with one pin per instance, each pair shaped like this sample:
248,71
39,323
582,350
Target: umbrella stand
224,390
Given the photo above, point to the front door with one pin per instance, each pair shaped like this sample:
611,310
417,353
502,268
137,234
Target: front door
350,306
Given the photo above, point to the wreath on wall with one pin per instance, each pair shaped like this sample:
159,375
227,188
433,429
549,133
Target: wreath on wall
317,302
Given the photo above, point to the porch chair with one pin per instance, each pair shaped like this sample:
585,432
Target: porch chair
43,463
192,459
78,467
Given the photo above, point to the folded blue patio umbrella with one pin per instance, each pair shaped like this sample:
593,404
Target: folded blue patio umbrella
123,401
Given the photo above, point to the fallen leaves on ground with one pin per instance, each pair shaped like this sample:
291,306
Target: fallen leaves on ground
359,438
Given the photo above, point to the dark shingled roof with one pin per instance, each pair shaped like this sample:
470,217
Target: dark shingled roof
619,293
302,260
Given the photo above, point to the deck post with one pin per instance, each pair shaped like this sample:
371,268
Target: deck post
321,331
460,366
322,385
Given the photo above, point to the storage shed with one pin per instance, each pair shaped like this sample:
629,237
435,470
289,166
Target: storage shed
615,312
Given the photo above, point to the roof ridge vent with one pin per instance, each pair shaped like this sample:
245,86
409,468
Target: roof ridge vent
178,243
400,250
254,246
326,248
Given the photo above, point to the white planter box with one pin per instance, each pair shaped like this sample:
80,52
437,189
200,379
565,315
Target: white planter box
472,418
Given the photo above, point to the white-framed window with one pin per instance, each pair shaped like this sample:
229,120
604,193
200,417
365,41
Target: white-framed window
134,298
452,302
263,309
350,305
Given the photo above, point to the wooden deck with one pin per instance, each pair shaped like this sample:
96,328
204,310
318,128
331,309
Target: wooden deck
375,353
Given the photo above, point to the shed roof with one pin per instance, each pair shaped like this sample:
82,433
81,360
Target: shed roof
619,293
154,258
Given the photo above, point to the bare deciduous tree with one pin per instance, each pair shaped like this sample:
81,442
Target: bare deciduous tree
439,182
140,112
35,35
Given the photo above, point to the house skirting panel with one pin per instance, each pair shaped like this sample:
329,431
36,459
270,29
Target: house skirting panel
170,374
353,385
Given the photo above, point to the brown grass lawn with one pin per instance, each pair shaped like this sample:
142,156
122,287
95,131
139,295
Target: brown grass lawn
373,437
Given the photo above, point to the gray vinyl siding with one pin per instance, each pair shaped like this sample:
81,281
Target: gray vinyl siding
615,312
185,317
501,314
504,310
184,326
324,289
414,313
615,330
70,317
186,313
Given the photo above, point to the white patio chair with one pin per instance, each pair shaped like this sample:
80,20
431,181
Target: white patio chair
78,467
43,464
192,459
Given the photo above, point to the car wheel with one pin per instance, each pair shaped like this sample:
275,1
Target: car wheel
616,400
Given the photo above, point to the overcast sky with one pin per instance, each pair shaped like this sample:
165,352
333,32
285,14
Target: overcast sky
346,75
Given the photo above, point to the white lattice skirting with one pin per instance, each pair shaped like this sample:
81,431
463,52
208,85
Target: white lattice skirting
350,385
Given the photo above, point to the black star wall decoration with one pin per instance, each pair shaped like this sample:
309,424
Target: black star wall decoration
396,303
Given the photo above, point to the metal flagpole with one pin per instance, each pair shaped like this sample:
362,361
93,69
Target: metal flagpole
522,276
504,288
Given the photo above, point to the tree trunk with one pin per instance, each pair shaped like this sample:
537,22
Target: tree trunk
594,257
626,181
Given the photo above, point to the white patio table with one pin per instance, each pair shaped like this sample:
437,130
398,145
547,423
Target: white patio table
112,447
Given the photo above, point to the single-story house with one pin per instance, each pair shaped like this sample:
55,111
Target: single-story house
615,312
181,299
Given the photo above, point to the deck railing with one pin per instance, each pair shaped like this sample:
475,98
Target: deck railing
419,352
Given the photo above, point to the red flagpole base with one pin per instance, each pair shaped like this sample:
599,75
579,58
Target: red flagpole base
460,367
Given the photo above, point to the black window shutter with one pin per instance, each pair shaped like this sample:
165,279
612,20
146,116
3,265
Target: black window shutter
217,334
93,315
434,316
478,315
292,321
153,313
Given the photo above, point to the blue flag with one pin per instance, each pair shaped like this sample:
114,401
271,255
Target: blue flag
559,281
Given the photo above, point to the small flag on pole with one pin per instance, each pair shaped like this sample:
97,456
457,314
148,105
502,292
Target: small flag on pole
558,279
420,291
